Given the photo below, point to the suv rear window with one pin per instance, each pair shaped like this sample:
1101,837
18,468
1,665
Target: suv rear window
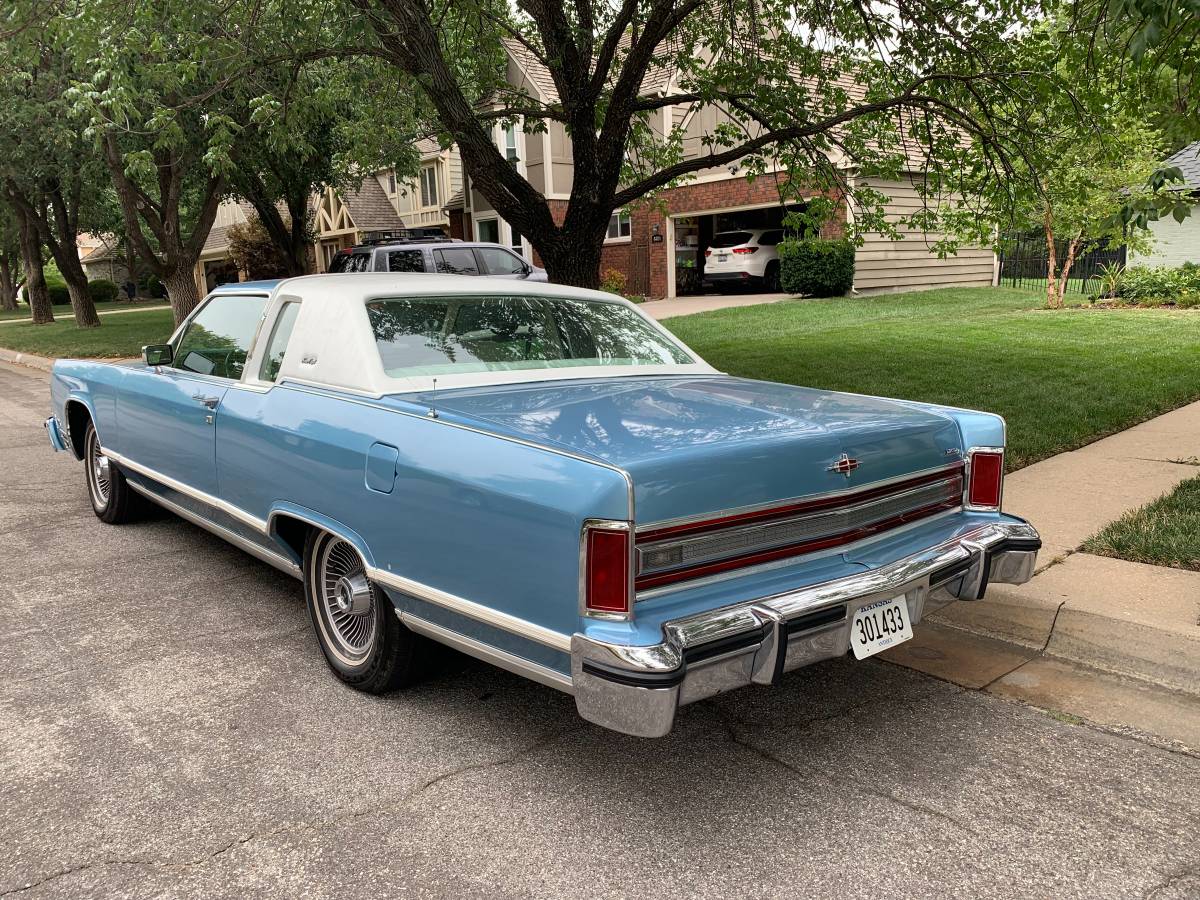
351,262
730,239
405,261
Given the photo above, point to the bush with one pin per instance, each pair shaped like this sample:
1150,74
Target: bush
150,286
59,295
102,290
816,268
613,281
1157,286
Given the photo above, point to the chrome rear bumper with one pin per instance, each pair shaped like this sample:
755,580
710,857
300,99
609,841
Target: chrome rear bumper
636,690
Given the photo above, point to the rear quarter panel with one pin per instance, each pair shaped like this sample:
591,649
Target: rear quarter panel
488,519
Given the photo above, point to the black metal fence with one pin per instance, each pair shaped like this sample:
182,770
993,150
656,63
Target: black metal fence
1024,260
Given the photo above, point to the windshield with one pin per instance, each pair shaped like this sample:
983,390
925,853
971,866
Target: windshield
458,335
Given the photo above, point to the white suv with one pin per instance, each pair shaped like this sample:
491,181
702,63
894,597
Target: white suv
744,257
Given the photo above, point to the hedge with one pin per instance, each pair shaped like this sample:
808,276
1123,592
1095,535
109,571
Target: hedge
102,290
1145,286
816,268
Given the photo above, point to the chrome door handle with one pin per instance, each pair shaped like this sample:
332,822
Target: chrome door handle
210,402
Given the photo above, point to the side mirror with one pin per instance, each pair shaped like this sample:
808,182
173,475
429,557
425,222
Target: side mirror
158,354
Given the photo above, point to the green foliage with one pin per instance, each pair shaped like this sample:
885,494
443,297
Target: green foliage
817,268
103,290
1158,286
1163,533
613,281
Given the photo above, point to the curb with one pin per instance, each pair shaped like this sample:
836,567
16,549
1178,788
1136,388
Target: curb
1168,656
26,359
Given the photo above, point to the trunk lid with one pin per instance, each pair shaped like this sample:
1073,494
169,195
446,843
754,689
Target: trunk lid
700,445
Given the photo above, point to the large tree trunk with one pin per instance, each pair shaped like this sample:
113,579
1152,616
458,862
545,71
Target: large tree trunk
8,282
571,259
77,286
181,291
131,273
36,294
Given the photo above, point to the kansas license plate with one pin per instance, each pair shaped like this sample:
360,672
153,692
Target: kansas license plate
880,625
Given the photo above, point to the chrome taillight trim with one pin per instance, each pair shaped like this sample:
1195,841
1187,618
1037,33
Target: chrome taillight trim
966,496
590,525
694,552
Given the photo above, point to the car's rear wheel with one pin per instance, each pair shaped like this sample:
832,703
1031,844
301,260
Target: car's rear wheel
113,500
771,278
356,625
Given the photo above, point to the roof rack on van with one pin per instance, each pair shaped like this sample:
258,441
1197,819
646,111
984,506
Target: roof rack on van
381,242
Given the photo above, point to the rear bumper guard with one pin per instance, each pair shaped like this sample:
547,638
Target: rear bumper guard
637,690
55,434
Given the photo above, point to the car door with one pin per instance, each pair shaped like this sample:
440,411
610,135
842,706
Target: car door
166,414
501,263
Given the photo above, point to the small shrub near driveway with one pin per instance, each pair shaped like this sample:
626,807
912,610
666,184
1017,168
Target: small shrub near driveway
613,281
1163,533
816,268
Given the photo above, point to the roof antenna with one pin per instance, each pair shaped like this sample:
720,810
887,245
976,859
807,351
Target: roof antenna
433,402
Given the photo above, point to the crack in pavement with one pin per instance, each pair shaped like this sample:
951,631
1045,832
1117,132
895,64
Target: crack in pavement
543,740
1171,881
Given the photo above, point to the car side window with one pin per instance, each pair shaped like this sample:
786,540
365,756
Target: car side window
456,261
771,238
217,340
282,333
501,262
405,261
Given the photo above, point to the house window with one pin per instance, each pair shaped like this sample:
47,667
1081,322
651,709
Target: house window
618,226
517,243
510,144
489,230
392,182
429,193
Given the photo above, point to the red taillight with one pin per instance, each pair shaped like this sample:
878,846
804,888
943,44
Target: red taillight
987,475
745,249
607,574
708,253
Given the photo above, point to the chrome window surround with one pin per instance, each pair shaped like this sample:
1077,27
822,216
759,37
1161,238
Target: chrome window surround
967,505
630,567
736,540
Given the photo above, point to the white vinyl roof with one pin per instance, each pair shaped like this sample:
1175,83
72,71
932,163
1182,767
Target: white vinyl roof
332,344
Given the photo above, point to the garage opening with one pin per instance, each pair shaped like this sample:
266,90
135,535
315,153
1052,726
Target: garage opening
729,251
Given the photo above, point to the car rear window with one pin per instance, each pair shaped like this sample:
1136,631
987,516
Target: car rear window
459,335
730,239
405,261
351,262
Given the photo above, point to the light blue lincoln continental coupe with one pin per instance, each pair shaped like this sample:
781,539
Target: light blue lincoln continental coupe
544,478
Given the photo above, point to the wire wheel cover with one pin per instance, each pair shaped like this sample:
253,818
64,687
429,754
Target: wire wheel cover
351,631
99,472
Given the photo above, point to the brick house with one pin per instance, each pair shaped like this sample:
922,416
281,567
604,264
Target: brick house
654,245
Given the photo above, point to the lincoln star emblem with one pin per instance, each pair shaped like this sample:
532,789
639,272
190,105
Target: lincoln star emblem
845,465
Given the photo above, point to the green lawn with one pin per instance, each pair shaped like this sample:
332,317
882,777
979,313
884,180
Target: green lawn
117,336
64,312
1163,533
1061,378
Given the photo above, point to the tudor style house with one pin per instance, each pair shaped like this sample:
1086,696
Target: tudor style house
660,247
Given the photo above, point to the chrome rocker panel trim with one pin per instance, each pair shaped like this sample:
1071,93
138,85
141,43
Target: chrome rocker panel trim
637,690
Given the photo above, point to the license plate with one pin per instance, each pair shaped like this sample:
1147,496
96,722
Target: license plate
722,257
880,625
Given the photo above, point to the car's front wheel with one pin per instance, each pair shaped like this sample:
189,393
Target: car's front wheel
113,500
356,625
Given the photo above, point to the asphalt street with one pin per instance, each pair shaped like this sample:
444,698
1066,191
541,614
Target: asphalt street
168,728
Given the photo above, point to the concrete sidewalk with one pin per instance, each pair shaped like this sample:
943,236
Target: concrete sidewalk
686,306
1106,614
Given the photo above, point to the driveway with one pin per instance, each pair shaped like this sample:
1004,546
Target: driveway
168,728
